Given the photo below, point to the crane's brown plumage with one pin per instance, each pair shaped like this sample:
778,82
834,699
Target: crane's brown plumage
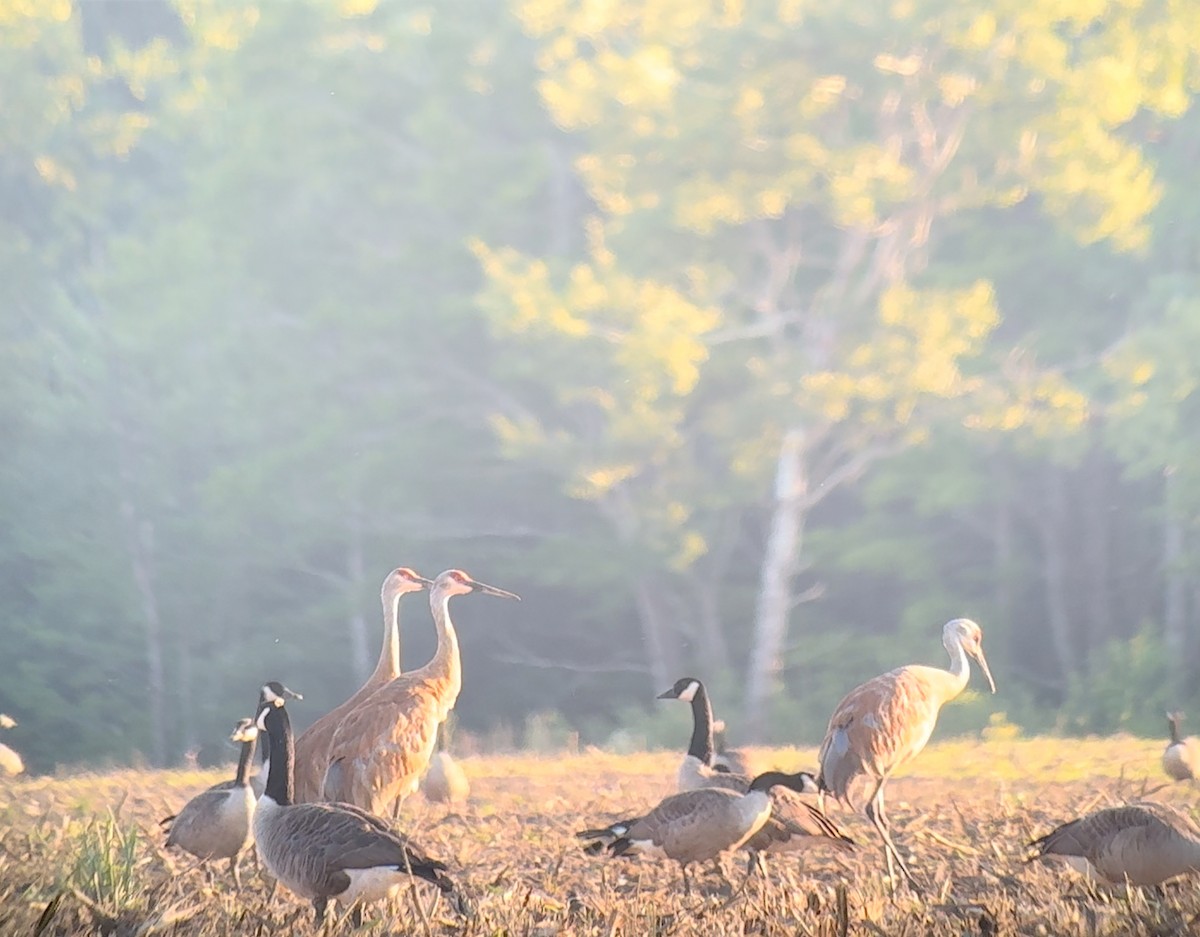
1142,844
381,749
885,722
312,747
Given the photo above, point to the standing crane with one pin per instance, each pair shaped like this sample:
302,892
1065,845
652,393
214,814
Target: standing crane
886,721
381,749
312,747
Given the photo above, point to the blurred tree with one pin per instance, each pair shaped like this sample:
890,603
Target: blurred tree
747,158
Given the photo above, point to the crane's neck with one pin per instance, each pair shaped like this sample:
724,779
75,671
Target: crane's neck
960,670
244,758
388,667
280,775
446,663
701,745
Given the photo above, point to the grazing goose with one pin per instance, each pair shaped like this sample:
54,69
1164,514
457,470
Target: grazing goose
1179,758
886,721
10,762
312,747
698,825
727,759
1142,844
216,823
382,748
326,851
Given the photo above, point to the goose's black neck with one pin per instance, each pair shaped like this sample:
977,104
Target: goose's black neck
244,759
701,746
1173,722
283,756
797,782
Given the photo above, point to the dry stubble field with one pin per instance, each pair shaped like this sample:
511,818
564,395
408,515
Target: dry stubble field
964,812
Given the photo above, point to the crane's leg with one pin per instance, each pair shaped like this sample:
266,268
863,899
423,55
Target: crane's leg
875,813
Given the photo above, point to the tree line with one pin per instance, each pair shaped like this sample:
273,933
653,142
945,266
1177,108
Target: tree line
750,341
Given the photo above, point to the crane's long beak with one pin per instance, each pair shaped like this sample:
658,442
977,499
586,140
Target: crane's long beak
493,590
977,653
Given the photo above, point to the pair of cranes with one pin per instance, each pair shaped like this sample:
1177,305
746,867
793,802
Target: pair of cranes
317,826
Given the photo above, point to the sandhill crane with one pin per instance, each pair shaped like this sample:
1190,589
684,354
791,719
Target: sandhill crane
1179,758
216,823
886,721
698,825
10,762
381,749
312,747
1142,844
327,851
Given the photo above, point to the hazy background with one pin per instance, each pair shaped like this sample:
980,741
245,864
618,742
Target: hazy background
750,341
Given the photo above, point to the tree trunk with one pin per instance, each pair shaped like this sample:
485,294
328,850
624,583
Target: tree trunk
714,651
360,657
780,560
1049,523
654,634
140,536
1096,522
1174,582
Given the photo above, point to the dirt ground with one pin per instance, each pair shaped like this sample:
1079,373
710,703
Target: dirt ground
83,854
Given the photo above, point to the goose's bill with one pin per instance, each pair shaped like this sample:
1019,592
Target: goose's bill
669,694
494,590
983,665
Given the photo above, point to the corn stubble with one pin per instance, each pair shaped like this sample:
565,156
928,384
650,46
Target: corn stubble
83,855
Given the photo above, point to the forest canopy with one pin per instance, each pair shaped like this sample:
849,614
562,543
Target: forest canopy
753,341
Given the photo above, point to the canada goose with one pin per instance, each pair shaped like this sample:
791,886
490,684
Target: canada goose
696,769
885,722
697,825
1142,844
216,823
10,762
795,821
1179,758
445,782
328,851
730,759
382,748
312,747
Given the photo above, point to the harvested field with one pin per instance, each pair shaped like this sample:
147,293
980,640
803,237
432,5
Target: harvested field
83,854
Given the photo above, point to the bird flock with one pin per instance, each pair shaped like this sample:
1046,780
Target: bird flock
322,813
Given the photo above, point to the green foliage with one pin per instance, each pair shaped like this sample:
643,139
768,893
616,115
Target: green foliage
1127,689
295,293
106,862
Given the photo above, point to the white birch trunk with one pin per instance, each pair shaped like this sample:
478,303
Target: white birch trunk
780,560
